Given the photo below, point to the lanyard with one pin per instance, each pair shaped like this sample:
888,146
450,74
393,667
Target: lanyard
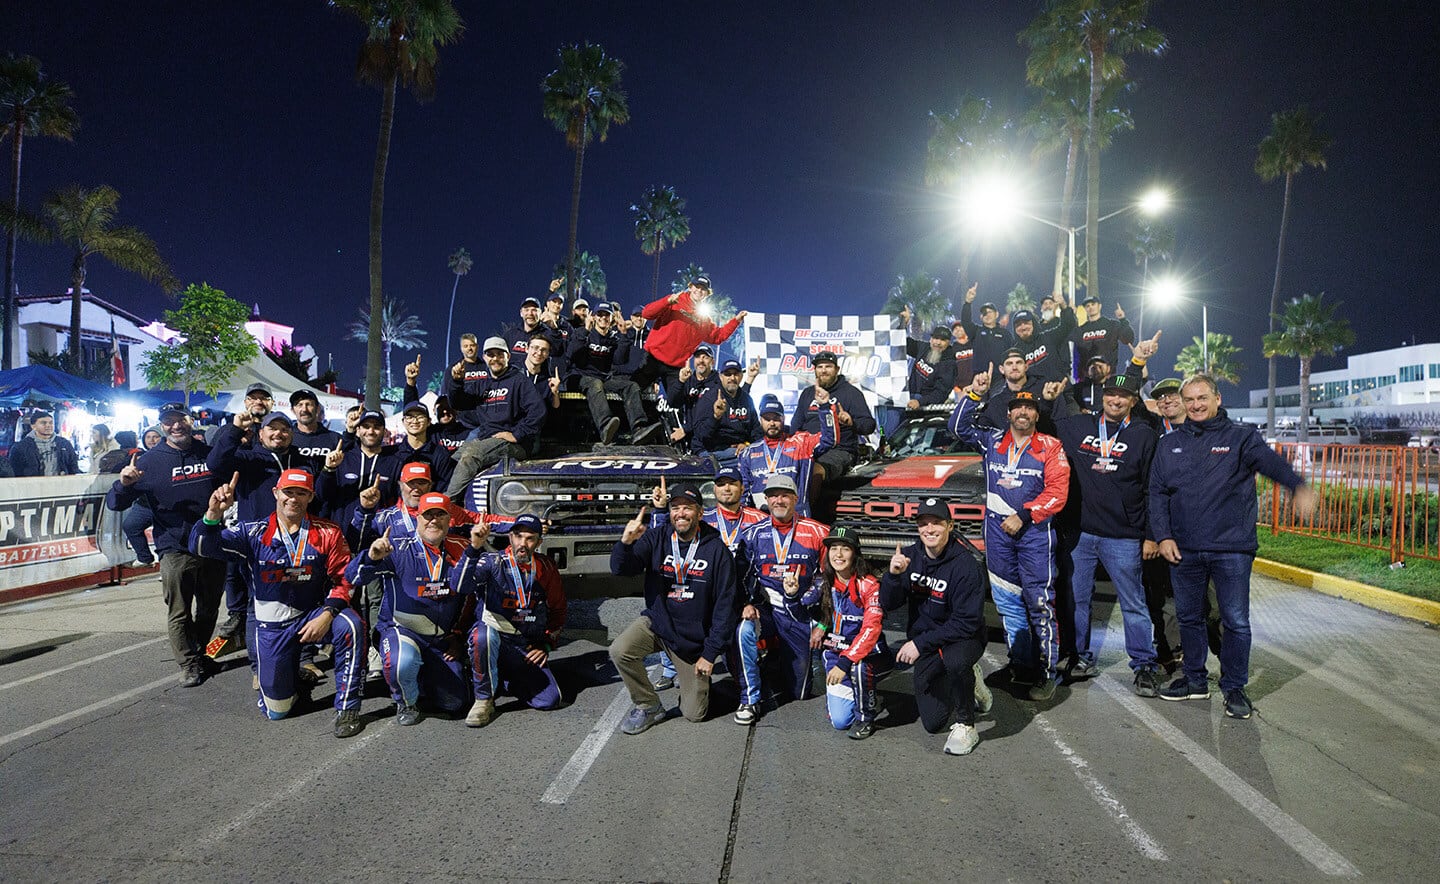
522,578
435,566
782,550
1168,427
367,481
1105,440
1013,455
772,460
682,563
409,522
727,533
296,547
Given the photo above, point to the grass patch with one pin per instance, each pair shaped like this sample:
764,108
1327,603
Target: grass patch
1419,578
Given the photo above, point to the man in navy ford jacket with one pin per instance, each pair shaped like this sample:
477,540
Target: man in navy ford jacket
1202,514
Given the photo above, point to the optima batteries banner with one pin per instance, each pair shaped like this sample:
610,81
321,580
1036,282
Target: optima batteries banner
51,528
871,354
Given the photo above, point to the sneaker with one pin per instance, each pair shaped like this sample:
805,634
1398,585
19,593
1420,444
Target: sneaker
663,683
405,715
254,681
1147,683
1082,669
311,673
1043,690
191,675
862,730
640,720
1237,704
984,699
1016,675
640,435
962,740
1182,689
747,714
609,429
140,564
480,713
348,723
233,626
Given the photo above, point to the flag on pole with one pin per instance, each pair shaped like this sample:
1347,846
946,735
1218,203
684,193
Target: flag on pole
117,365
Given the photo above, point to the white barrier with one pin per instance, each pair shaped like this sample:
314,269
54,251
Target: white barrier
57,528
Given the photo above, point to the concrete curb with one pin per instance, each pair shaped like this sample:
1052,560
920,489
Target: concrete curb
1396,603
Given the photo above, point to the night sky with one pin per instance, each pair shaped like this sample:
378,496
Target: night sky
239,139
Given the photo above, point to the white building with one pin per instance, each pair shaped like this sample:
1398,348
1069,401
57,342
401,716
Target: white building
1399,387
44,324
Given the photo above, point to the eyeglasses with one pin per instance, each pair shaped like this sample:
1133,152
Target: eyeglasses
414,417
1167,396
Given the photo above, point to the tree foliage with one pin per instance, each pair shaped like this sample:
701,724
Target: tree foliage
589,277
212,342
1308,328
396,328
1223,364
920,294
660,223
686,275
1019,298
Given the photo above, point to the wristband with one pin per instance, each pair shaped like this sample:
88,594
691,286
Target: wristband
207,520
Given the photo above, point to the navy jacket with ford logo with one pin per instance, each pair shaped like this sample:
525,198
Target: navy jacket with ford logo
508,402
176,486
1109,501
694,622
945,595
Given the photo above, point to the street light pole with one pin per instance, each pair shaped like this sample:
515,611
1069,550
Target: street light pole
1205,336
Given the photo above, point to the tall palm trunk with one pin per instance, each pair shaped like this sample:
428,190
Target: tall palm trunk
7,358
377,212
1067,203
1092,176
1304,398
450,318
655,276
77,285
388,348
570,286
1275,302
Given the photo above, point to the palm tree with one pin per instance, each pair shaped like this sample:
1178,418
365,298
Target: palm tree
30,105
1019,298
1092,36
83,220
1058,121
686,275
460,264
660,221
920,294
1310,330
1221,354
396,329
589,276
401,49
1149,241
965,142
1291,145
582,98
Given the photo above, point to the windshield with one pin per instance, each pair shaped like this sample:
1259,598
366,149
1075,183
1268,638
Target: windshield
922,436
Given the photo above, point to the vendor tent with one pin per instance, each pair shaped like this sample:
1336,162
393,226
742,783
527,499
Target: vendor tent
42,383
263,370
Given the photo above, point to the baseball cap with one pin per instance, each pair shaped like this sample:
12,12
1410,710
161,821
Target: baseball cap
702,349
686,492
638,311
556,295
527,523
780,482
296,479
274,416
989,305
258,388
1124,384
172,408
1020,316
301,395
827,356
940,331
415,470
844,536
1089,299
770,404
416,406
602,307
1166,385
581,302
1094,359
701,281
370,416
1013,351
433,501
727,474
1024,397
530,302
495,342
933,506
730,365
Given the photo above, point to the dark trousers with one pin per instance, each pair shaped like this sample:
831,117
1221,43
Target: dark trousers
945,684
237,594
1230,572
190,582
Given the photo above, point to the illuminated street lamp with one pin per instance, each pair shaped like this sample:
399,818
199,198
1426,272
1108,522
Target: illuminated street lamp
996,197
1169,290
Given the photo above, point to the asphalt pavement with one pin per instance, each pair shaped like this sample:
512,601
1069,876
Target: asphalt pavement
110,770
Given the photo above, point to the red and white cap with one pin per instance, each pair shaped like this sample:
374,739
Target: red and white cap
415,470
433,501
296,479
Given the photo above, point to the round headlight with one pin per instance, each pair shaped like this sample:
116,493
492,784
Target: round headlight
510,499
707,491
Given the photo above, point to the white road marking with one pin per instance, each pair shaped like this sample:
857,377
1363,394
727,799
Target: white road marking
85,710
1298,838
96,659
335,759
569,777
1138,836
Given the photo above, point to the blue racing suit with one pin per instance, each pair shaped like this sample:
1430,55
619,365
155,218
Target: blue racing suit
854,642
520,609
767,552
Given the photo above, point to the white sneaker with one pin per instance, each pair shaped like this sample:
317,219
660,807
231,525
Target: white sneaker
962,740
984,699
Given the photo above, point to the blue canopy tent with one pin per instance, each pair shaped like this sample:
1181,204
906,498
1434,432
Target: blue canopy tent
45,384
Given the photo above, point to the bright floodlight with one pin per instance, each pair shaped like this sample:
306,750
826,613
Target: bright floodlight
1155,201
706,309
1167,290
992,201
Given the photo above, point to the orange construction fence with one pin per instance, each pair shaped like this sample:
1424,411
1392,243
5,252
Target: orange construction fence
1383,497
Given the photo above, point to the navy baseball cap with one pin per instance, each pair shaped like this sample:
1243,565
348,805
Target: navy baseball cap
1013,351
701,282
728,474
940,331
730,365
258,388
301,395
527,523
827,356
686,492
989,305
702,349
370,416
274,416
530,302
172,408
1091,299
770,404
934,506
1020,316
638,311
600,308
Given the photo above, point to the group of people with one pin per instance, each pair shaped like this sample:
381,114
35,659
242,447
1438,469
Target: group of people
45,452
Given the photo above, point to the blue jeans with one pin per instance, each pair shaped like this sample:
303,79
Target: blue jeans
1122,562
1230,571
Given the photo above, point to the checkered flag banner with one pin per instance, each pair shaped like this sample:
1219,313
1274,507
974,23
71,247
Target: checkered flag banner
871,353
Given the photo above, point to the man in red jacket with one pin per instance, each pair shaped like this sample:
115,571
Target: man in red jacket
680,326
